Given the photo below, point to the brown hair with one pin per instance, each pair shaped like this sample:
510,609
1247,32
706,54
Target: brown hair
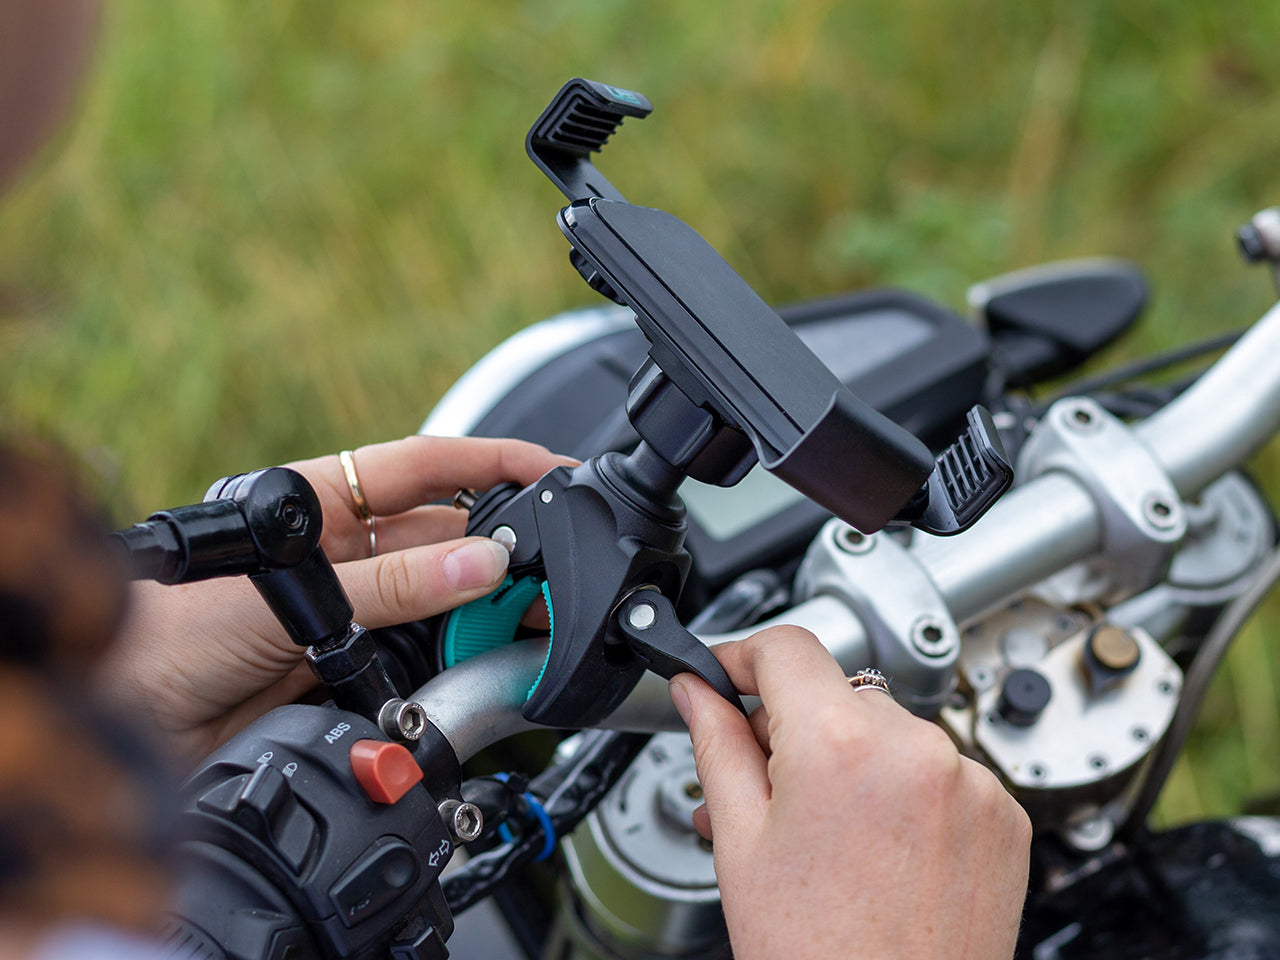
82,801
62,585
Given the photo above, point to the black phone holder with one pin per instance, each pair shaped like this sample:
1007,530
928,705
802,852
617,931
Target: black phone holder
726,383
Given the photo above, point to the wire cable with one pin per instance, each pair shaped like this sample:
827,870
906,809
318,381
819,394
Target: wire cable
1194,687
1145,366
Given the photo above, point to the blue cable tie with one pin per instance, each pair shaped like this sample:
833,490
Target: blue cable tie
544,820
548,831
503,830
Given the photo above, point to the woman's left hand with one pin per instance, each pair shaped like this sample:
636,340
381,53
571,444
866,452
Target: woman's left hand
203,660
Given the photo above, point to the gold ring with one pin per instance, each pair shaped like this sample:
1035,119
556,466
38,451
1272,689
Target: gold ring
869,679
348,461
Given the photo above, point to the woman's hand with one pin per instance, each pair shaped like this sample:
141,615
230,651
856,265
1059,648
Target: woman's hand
844,827
203,660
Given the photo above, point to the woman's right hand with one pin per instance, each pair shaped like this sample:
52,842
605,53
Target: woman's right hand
844,827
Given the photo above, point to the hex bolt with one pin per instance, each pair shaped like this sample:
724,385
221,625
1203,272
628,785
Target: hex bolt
403,720
464,820
642,616
1081,418
291,515
505,536
931,638
853,541
1159,512
546,496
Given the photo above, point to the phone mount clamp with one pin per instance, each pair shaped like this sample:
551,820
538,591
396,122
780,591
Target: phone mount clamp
726,384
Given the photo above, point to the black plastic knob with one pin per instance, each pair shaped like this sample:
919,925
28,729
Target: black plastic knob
1252,245
1024,696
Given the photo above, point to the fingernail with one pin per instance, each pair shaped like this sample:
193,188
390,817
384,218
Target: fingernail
479,563
680,698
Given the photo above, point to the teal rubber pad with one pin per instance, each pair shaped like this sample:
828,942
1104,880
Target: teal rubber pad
491,621
551,617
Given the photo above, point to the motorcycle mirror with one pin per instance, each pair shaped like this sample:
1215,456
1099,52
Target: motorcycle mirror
1049,319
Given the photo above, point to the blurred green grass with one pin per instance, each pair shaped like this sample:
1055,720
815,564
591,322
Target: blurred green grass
277,230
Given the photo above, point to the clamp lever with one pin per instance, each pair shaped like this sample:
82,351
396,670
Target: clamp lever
656,637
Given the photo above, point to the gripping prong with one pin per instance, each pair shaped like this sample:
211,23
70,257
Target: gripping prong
579,122
969,477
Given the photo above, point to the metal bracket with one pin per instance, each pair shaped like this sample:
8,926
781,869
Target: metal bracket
1082,738
1143,519
913,639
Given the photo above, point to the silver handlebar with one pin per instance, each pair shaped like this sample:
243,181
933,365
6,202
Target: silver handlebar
1034,531
1226,416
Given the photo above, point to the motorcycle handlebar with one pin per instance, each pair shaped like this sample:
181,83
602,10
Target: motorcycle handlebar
1034,531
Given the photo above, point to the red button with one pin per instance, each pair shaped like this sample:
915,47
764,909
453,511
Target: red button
386,770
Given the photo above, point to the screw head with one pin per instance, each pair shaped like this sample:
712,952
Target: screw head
403,720
642,616
412,720
1081,418
931,637
854,541
1160,512
464,820
291,515
505,536
546,496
